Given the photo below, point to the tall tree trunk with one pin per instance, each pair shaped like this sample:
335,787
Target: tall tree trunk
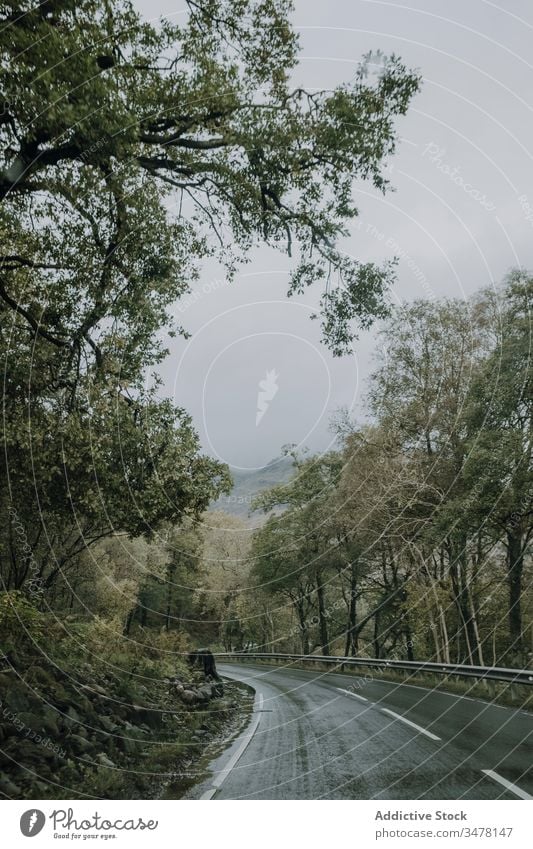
435,634
515,567
302,624
171,571
476,628
442,645
377,647
434,630
269,630
458,572
13,582
409,640
352,636
129,619
322,620
444,632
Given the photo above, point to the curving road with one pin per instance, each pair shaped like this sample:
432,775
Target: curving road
330,736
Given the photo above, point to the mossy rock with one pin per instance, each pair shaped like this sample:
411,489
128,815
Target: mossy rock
72,717
17,698
43,676
6,681
146,716
39,790
32,721
60,697
107,724
50,719
30,753
11,790
80,744
103,760
128,745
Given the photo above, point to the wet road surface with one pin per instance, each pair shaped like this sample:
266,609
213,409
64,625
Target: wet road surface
318,735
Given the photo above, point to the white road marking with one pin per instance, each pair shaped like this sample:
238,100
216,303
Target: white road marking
508,784
412,724
349,693
246,738
209,793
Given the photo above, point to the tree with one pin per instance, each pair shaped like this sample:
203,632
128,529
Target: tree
281,573
375,508
184,546
75,476
131,152
225,579
312,548
500,417
420,394
104,112
421,524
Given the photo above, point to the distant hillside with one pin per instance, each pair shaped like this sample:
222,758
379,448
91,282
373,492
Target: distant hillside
249,484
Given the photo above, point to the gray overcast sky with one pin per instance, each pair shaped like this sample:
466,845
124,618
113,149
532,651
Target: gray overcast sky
454,232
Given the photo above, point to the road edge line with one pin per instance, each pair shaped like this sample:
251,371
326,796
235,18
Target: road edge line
247,736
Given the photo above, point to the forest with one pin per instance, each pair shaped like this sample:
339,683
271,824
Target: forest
412,540
132,153
201,149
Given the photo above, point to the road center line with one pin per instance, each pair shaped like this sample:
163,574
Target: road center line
508,784
349,693
412,724
247,737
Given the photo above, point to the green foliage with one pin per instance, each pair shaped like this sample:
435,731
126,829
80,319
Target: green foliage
20,620
415,539
105,117
131,152
104,466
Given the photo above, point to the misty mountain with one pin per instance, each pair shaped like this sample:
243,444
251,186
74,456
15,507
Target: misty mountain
248,484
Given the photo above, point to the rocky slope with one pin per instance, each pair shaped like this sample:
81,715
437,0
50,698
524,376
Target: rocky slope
84,724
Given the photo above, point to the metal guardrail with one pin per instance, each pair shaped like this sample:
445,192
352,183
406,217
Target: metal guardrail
484,673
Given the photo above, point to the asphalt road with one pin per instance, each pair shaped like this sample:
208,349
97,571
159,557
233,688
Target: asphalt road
310,740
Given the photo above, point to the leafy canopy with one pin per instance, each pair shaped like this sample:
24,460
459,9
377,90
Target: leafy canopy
149,146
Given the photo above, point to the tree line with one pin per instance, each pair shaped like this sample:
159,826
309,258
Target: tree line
131,151
414,537
410,540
